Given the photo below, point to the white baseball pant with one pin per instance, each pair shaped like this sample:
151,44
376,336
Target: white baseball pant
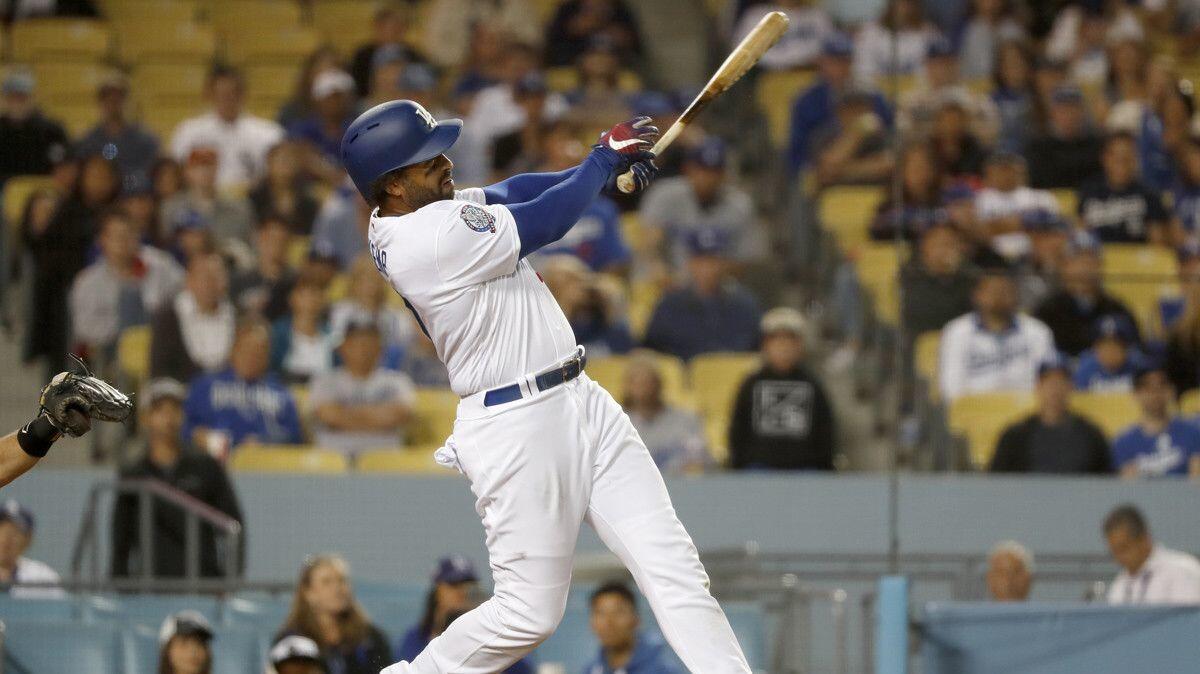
539,467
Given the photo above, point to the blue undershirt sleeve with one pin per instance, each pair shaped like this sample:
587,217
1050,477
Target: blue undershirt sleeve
547,218
524,187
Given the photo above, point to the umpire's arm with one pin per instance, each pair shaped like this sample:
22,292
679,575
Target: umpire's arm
14,461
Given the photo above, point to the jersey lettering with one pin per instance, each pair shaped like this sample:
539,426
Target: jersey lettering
380,257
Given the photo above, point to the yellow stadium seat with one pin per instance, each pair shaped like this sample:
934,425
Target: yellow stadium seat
285,45
878,266
1112,412
1068,202
287,459
715,378
1189,403
345,24
275,79
298,251
562,78
133,352
1139,276
35,40
643,297
609,372
154,42
162,119
847,212
154,83
982,418
17,191
126,12
80,80
925,357
253,17
418,460
716,432
981,86
775,91
66,108
434,412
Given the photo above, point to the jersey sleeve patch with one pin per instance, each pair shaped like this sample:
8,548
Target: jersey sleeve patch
478,219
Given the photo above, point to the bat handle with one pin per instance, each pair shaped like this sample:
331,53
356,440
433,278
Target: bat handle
625,182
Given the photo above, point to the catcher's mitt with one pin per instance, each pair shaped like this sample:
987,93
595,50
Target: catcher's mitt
71,400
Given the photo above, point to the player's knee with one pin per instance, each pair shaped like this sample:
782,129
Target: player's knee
534,618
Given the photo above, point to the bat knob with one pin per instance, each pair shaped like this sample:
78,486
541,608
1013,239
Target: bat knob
625,182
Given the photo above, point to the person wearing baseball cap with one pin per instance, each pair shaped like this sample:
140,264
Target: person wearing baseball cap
32,143
119,139
20,576
1160,443
167,459
333,110
1113,360
295,654
451,593
1053,439
185,642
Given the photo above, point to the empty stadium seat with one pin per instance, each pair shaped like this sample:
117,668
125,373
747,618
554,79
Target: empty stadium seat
609,372
282,45
77,119
1139,276
1113,412
150,41
133,352
345,24
76,79
146,609
982,417
288,459
35,40
154,83
275,80
123,13
878,267
63,648
434,412
412,460
257,610
38,610
775,92
1189,403
249,17
715,378
847,211
925,358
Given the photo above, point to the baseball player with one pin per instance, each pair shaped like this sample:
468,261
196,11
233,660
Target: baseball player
67,405
544,446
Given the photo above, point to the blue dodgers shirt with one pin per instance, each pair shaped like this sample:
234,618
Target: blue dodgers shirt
1165,453
1090,375
262,409
596,238
650,656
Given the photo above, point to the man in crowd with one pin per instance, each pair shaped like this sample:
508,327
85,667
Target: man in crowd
1072,311
21,577
1053,439
33,144
1069,152
1117,206
1114,359
623,648
782,418
1007,207
243,403
264,289
852,148
227,217
130,146
241,140
387,32
937,281
941,82
1150,573
360,405
712,312
994,348
1159,443
1009,572
333,110
169,459
194,331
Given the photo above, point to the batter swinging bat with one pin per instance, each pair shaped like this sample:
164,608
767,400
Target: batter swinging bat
742,58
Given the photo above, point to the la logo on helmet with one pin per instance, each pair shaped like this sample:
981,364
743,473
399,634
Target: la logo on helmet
424,114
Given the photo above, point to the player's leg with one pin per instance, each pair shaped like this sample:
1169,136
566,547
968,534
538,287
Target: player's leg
632,512
532,488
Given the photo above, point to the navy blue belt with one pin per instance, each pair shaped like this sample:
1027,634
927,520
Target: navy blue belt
545,380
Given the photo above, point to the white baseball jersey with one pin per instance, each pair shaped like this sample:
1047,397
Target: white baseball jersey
976,360
1167,577
457,265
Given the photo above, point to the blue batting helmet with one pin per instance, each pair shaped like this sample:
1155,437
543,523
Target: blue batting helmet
390,136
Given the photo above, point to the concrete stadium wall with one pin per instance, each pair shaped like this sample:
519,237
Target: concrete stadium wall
394,528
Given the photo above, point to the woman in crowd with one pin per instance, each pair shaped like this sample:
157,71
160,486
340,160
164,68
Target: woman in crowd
674,436
300,342
186,640
285,192
300,104
921,201
324,610
1013,95
992,23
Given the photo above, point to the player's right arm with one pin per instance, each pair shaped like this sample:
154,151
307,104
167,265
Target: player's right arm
524,187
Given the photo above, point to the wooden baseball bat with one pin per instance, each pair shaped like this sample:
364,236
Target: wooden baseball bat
741,59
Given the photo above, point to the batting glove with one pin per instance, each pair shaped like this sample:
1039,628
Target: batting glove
643,172
631,139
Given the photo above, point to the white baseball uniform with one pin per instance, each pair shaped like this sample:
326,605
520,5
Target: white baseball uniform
544,463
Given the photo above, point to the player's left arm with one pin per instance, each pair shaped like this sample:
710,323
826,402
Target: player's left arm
524,187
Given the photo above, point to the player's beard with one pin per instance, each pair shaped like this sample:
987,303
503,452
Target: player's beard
419,196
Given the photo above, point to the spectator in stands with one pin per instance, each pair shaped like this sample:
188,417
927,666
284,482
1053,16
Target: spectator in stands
324,609
991,25
387,32
296,655
576,22
124,287
366,301
1006,206
228,217
937,282
264,289
166,180
192,237
993,348
321,265
589,303
674,436
853,147
1113,360
333,110
360,405
140,207
387,66
300,343
1013,95
1185,193
239,139
243,403
1117,206
1009,572
324,58
1159,443
1053,439
21,577
712,312
185,643
1068,153
1072,311
194,332
598,96
494,108
340,229
32,143
901,33
940,82
808,27
118,139
817,106
1151,573
450,25
285,191
782,419
59,252
1163,125
524,148
958,150
623,647
920,206
168,457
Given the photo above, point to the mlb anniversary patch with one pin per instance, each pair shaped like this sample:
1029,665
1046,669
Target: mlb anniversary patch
478,219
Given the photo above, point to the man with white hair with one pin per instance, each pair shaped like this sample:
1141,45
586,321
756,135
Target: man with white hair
1009,572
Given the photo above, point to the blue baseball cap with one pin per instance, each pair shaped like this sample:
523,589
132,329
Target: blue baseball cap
838,45
1083,242
940,47
1114,326
709,154
418,77
712,241
14,512
455,569
1058,362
